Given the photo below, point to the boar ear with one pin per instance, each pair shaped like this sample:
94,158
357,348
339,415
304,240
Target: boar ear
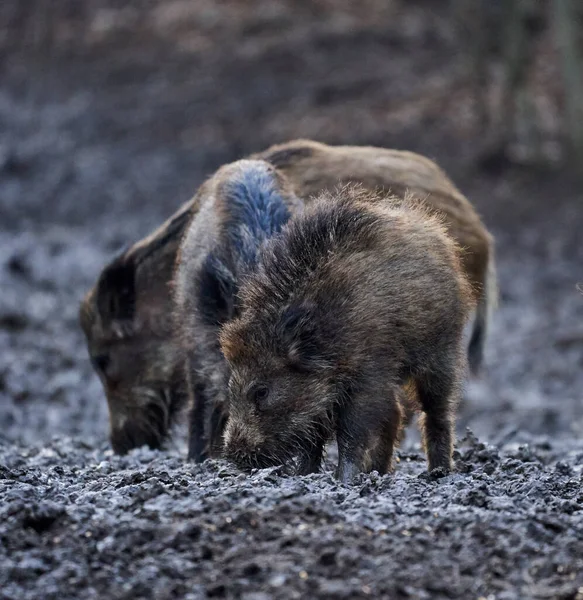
116,290
299,333
232,340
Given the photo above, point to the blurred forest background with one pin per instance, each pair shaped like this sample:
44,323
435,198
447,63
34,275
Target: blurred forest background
522,59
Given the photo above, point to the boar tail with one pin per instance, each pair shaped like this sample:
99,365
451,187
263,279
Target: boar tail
486,305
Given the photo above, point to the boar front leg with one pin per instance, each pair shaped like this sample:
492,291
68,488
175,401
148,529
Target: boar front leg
368,428
197,444
310,458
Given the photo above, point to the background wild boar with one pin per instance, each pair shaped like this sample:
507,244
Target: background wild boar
140,359
245,203
353,298
127,323
314,167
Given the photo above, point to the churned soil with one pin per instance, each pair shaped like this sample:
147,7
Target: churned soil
110,117
78,522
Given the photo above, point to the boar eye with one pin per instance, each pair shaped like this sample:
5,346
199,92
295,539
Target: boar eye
259,393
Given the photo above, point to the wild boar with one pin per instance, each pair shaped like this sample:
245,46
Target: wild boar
353,299
245,203
127,323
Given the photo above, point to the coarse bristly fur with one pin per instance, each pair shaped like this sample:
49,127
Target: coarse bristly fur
137,348
355,298
244,204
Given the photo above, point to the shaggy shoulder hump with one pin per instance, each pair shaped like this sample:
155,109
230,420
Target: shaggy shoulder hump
328,226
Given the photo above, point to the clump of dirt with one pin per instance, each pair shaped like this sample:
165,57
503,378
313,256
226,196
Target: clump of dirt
104,133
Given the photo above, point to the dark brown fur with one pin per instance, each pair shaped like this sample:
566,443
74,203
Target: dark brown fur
355,298
139,349
243,204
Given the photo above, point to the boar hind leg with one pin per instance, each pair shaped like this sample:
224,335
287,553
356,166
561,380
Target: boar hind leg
410,405
368,428
381,449
438,395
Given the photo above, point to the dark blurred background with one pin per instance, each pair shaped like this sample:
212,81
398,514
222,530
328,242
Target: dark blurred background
136,101
112,112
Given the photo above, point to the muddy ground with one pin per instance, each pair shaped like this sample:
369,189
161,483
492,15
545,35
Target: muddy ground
110,116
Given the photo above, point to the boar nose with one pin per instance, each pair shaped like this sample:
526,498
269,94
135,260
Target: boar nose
235,438
238,445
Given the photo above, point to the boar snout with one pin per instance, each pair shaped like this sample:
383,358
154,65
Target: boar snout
244,446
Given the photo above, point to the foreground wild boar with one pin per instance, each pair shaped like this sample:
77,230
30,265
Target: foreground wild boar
353,298
245,203
126,315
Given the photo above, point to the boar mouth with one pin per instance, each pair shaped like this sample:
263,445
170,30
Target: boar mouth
147,423
285,449
262,458
249,461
